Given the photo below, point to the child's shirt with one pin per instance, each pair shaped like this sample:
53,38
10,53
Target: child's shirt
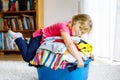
53,30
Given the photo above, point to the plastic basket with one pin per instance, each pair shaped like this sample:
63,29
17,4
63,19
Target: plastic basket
45,73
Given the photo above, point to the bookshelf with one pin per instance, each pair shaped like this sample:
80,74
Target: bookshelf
34,17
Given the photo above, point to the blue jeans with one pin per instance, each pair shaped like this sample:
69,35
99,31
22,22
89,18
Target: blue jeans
28,51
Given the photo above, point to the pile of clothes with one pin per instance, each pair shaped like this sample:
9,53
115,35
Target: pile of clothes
54,54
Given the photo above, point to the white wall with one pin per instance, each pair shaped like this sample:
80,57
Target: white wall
58,10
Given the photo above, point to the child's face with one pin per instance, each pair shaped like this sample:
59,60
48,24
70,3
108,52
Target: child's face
79,29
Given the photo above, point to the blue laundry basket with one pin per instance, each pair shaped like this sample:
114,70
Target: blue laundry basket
45,73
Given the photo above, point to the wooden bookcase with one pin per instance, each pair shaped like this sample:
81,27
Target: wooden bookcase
38,16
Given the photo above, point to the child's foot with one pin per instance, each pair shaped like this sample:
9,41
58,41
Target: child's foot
15,35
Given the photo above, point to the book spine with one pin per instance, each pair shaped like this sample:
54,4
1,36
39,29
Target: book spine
0,40
13,24
1,5
2,37
1,24
9,23
19,23
32,23
5,5
25,23
6,42
6,24
17,5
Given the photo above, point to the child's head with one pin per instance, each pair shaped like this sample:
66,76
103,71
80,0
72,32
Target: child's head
81,24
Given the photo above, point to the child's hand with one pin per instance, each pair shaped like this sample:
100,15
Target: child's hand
80,63
92,57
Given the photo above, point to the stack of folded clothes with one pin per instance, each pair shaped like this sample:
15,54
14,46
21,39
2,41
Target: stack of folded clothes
54,54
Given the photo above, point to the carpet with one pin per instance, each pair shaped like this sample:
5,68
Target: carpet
17,70
104,71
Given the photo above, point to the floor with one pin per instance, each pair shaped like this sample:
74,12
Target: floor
99,70
11,57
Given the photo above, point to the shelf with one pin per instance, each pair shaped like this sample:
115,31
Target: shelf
11,13
18,12
18,30
26,33
38,19
9,50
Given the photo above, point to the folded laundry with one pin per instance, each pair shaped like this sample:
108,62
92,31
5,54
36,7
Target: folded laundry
53,56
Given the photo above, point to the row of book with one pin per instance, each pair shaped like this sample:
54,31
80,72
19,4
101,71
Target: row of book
17,5
6,42
24,22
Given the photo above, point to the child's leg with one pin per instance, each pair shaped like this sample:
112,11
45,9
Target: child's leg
28,51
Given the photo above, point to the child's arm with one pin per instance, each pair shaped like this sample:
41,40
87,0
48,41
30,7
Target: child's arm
72,48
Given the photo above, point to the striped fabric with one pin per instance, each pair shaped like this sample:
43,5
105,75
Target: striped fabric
48,59
57,60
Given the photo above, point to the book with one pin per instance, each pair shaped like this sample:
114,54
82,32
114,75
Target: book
32,4
22,5
17,5
1,24
6,24
28,4
1,5
5,4
20,25
16,23
32,25
6,43
29,22
0,40
9,23
13,24
12,5
25,23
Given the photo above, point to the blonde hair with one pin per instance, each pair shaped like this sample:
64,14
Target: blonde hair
83,18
